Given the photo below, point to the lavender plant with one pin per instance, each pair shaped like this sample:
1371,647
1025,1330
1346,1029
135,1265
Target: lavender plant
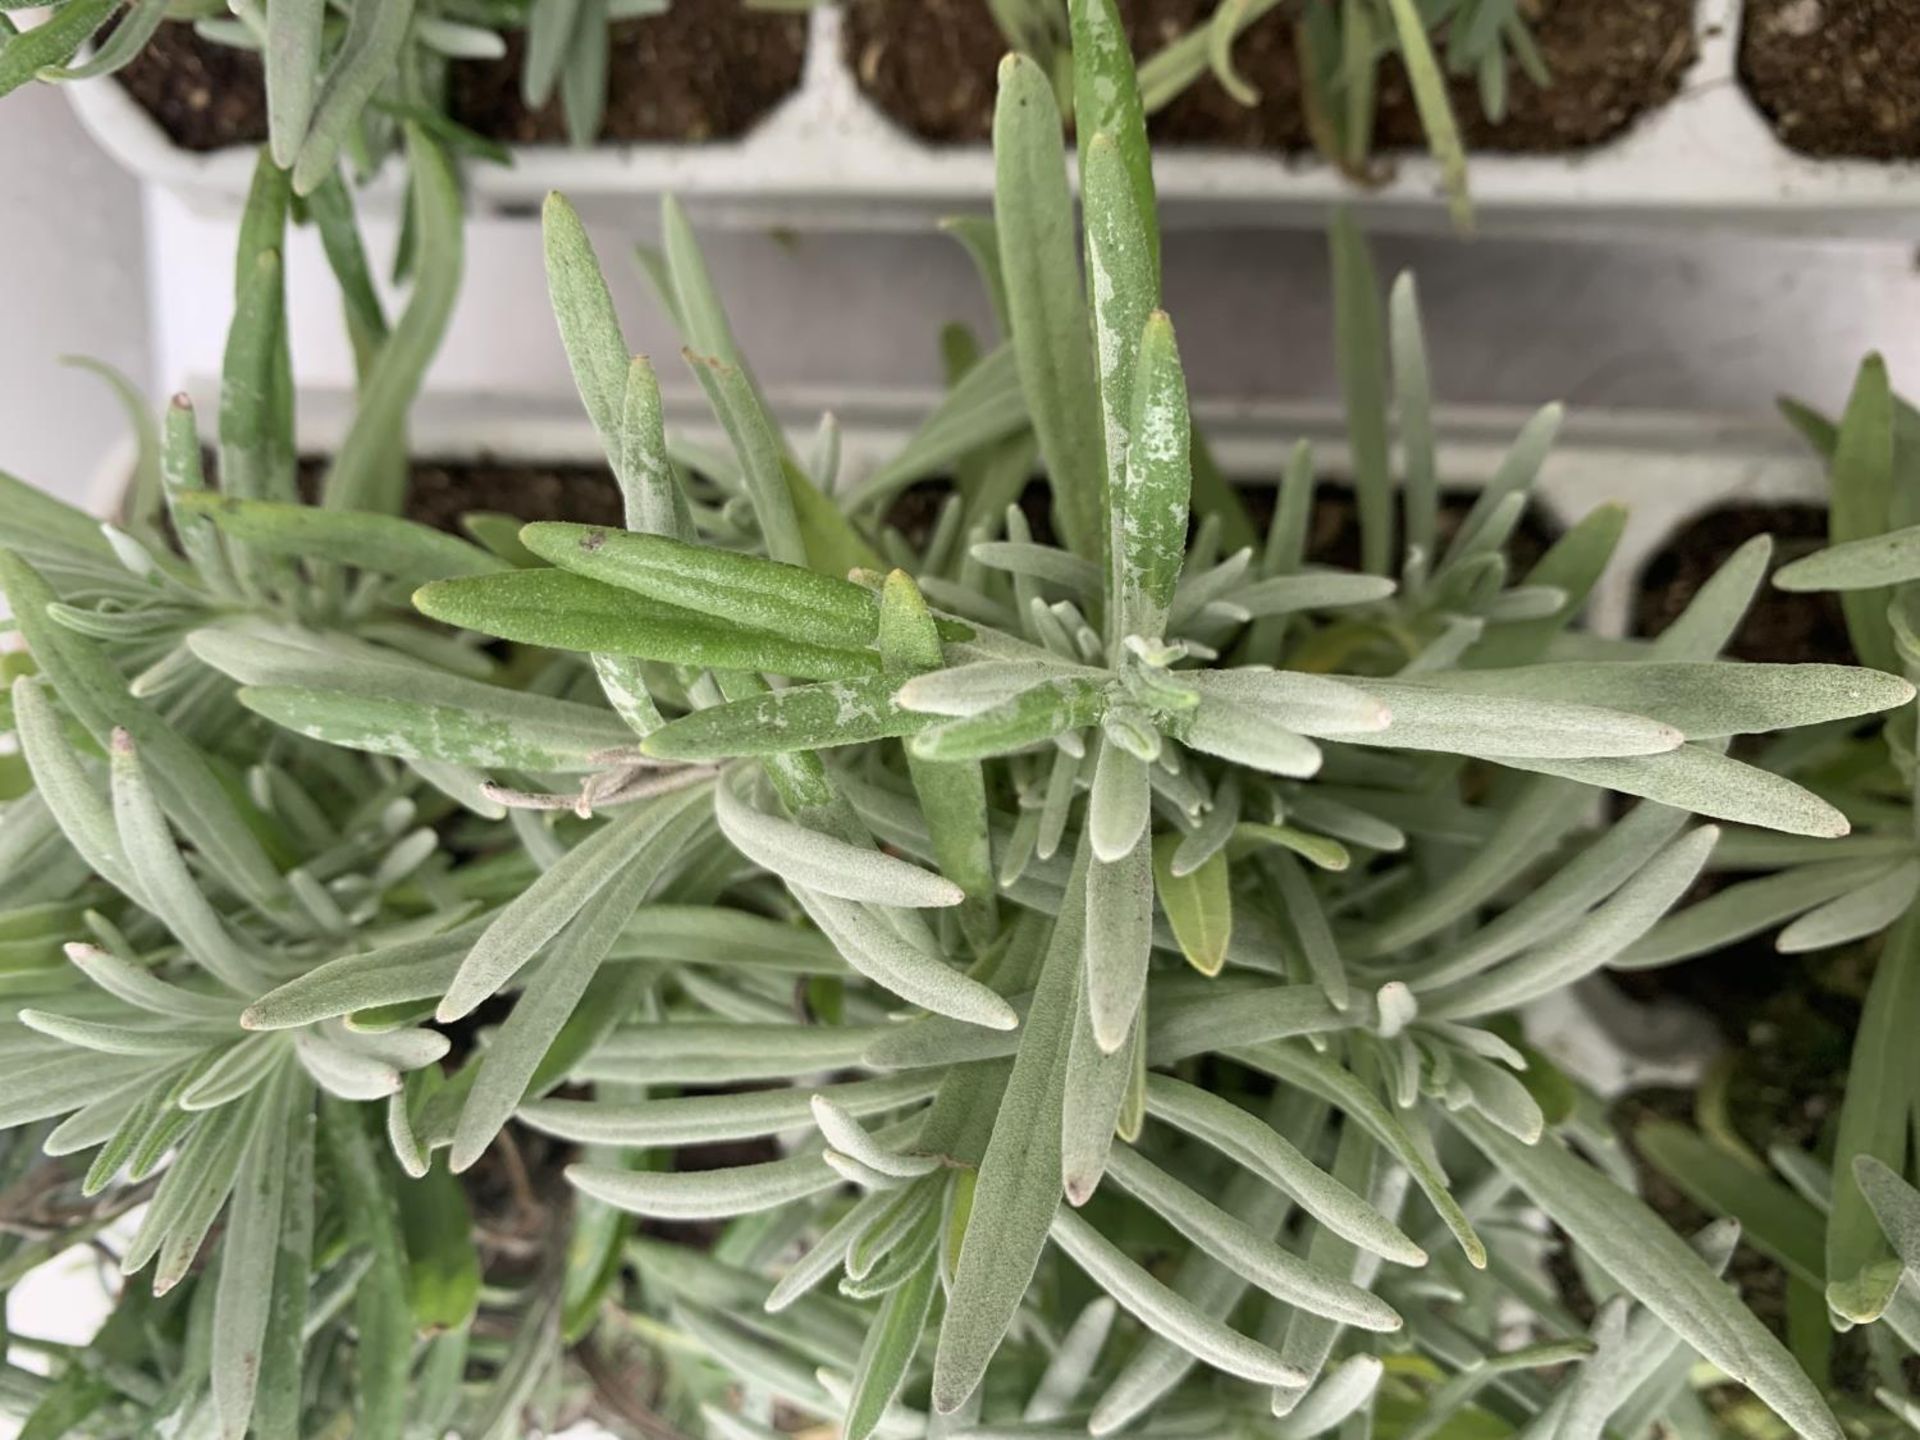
1099,917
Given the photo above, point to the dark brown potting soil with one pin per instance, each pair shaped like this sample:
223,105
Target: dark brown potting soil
581,494
1836,77
705,70
205,96
440,492
930,65
1793,628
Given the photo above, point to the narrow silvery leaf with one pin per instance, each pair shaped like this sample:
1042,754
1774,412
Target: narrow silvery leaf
1704,781
1122,288
706,1194
1703,701
385,544
539,912
620,394
1316,590
746,590
1119,938
1614,925
1107,101
1423,718
238,1069
1046,304
1117,814
1870,564
1311,704
800,717
409,970
953,798
1518,470
1059,568
1163,1311
1342,1392
1150,512
1711,618
709,1119
294,66
78,806
565,611
1862,476
1223,726
1249,1141
1623,1237
1305,917
196,1185
1865,911
1895,1204
969,689
1359,354
845,1134
1092,1101
164,879
1884,1064
1274,1269
570,739
507,1066
885,955
105,1038
62,1082
1559,901
1018,1190
249,1254
362,476
366,58
722,1053
1072,1364
1294,1064
1037,714
826,864
1198,901
889,1350
341,1070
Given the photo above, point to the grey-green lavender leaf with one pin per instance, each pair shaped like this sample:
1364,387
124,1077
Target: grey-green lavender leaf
1018,1190
1046,299
1252,1143
1704,701
1704,781
800,717
709,1119
824,863
1618,1233
1163,1311
907,965
747,590
1277,1271
706,1194
386,544
565,611
1868,564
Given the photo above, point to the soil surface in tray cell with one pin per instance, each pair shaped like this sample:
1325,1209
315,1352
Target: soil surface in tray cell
930,65
1836,77
705,70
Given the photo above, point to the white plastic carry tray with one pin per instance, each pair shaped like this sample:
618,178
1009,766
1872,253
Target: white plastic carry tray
827,159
